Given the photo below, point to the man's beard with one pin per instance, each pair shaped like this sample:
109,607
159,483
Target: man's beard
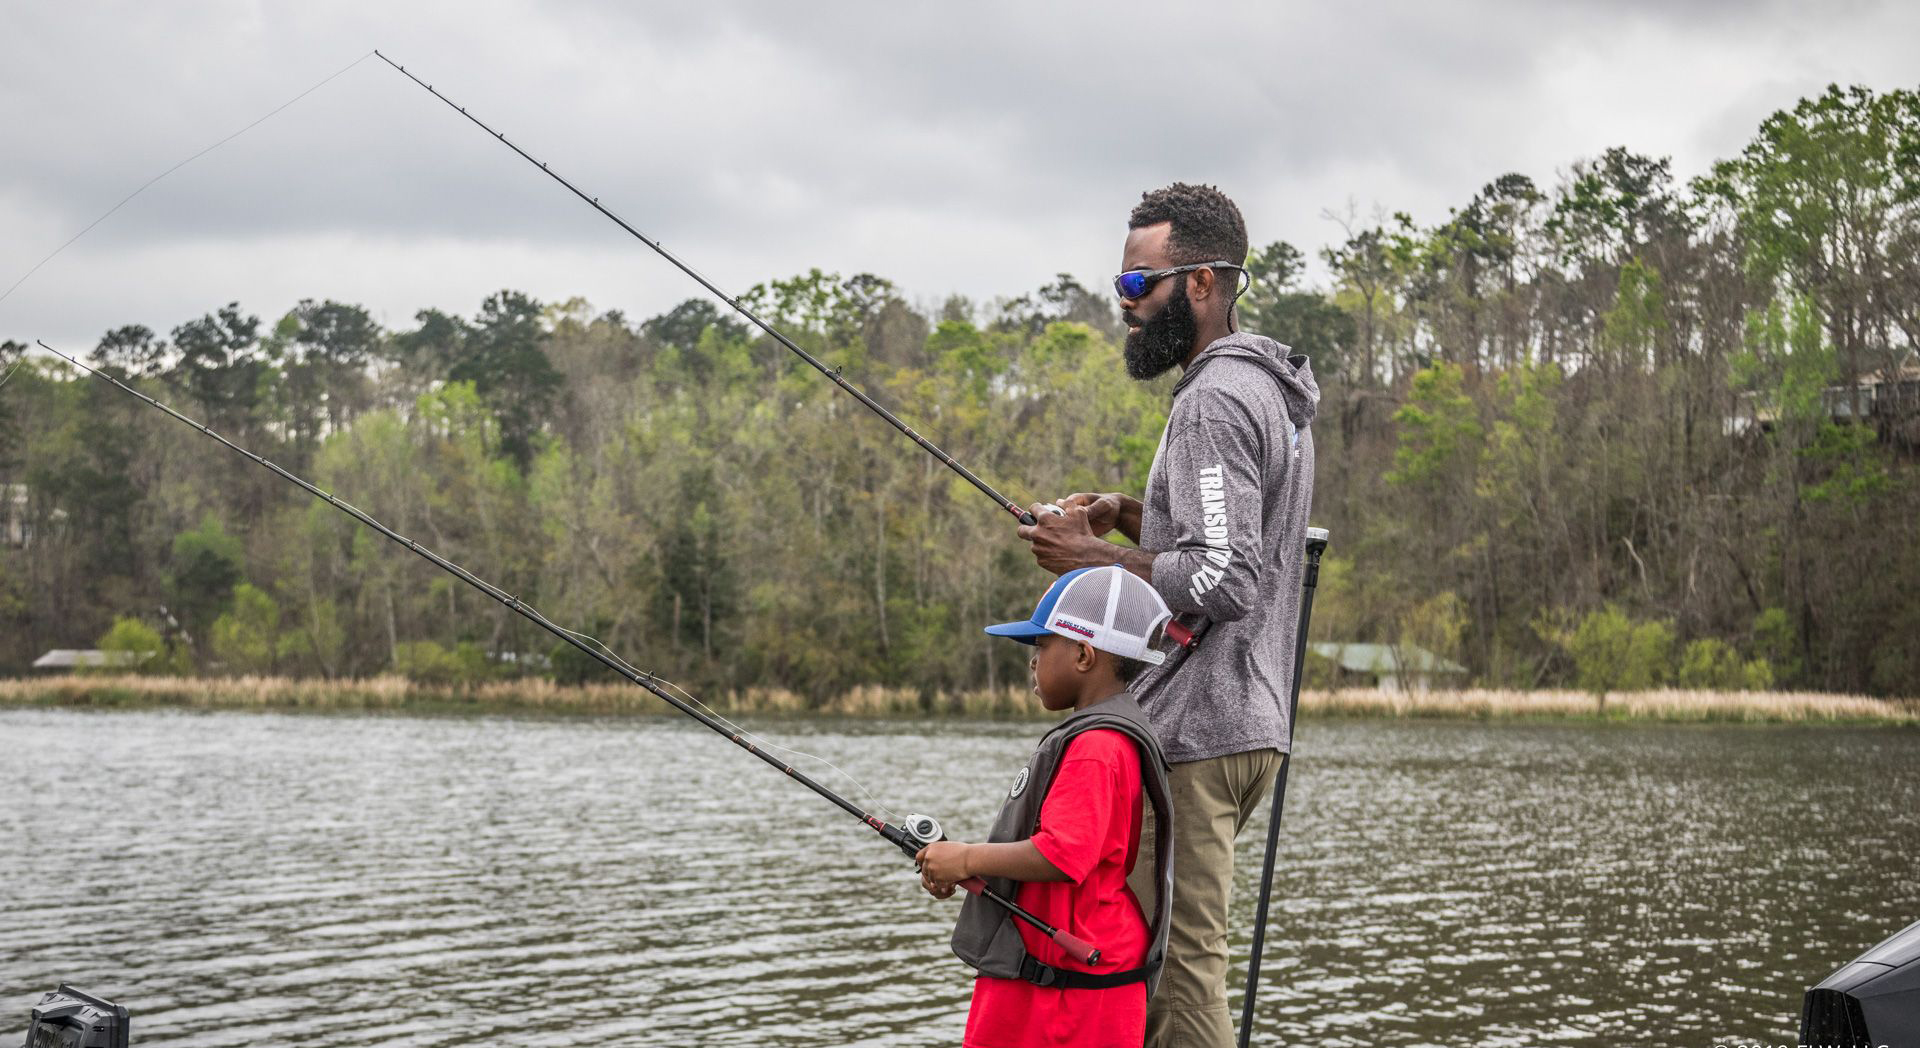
1163,341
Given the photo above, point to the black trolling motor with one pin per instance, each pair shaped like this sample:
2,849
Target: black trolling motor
912,834
72,1018
1872,1001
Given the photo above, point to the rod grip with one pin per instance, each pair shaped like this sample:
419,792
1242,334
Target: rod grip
973,885
1179,634
1077,948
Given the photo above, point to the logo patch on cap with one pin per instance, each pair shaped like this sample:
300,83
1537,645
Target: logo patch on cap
1075,627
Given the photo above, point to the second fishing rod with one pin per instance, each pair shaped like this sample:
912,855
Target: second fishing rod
814,362
1179,633
910,835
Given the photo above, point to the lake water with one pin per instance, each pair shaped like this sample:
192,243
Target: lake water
322,880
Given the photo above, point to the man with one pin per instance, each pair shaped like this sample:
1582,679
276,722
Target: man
1220,535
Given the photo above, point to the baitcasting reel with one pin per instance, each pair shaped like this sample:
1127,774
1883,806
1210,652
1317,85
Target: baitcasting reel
922,828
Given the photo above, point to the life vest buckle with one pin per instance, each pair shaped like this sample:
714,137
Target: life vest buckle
1036,973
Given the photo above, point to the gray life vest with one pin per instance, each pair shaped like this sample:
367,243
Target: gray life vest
987,936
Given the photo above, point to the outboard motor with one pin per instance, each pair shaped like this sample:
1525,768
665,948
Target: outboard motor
1873,1001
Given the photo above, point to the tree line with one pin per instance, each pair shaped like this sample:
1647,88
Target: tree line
1617,431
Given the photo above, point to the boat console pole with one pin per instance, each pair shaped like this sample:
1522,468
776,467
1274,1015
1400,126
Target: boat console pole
1316,545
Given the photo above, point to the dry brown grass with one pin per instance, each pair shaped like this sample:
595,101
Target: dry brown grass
1663,705
532,694
397,693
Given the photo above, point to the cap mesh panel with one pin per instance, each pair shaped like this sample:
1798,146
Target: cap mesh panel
1137,609
1085,598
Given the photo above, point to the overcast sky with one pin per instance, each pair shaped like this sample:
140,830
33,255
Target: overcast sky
974,148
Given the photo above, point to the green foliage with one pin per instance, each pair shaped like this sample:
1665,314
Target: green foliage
1777,643
1614,204
1787,358
429,663
1713,664
1440,430
1305,321
1856,468
1893,667
569,665
1339,609
248,639
1437,624
315,639
132,646
1617,392
1525,444
1830,166
501,356
12,361
214,359
1612,652
202,574
1638,318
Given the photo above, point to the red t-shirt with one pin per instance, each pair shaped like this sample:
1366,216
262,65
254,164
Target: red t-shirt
1090,830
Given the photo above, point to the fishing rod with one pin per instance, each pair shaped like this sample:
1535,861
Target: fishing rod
1316,545
815,362
910,836
1180,634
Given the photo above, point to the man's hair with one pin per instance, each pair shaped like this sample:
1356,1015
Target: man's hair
1207,226
1125,668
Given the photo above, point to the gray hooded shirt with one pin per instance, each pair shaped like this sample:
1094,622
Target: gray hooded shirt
1227,502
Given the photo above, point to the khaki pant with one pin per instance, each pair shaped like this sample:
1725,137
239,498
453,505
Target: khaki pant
1212,800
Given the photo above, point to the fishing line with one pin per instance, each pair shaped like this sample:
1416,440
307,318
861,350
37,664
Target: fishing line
609,653
598,649
832,373
144,186
911,835
756,737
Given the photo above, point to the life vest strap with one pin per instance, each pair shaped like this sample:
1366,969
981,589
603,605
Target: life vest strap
1067,979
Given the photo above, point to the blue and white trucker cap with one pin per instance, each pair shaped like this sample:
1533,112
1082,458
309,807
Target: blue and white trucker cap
1109,607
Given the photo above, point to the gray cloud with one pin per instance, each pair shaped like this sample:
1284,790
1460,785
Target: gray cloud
974,149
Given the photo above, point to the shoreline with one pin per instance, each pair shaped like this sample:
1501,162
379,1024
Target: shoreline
397,694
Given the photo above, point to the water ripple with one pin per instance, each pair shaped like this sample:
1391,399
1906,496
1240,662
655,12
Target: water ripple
328,881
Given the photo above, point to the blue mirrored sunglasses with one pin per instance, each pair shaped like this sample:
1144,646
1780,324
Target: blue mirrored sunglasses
1134,282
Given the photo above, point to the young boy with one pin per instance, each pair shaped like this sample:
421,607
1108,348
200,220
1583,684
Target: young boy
1069,832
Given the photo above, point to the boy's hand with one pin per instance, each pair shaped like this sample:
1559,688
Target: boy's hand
942,865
